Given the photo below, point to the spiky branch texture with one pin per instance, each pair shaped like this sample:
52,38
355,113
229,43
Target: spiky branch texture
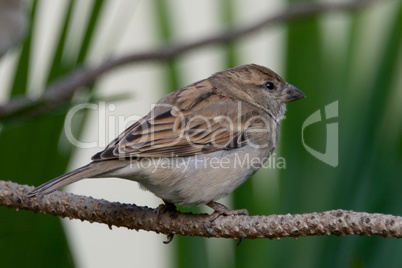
334,222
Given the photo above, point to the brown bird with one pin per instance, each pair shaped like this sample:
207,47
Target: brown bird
199,143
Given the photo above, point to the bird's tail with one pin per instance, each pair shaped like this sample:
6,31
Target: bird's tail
89,171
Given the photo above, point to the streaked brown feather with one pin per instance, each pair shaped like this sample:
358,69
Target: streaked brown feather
206,127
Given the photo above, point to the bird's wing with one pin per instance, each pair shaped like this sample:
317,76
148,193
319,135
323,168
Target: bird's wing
171,131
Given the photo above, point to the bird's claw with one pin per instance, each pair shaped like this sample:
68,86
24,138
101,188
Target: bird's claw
164,208
220,209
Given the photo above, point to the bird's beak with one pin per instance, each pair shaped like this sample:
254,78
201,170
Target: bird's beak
291,93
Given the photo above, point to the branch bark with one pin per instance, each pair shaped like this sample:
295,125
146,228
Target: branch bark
334,222
65,87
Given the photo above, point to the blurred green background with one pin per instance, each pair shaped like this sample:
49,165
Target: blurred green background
351,57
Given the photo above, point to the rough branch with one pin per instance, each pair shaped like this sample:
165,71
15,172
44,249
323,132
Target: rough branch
334,222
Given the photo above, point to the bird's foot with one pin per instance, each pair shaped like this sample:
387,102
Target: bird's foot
163,208
223,210
166,208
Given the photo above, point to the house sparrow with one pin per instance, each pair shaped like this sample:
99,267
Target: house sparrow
199,143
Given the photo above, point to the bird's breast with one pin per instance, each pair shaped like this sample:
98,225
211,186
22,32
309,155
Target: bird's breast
197,179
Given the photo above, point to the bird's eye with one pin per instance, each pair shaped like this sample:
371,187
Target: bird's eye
269,85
